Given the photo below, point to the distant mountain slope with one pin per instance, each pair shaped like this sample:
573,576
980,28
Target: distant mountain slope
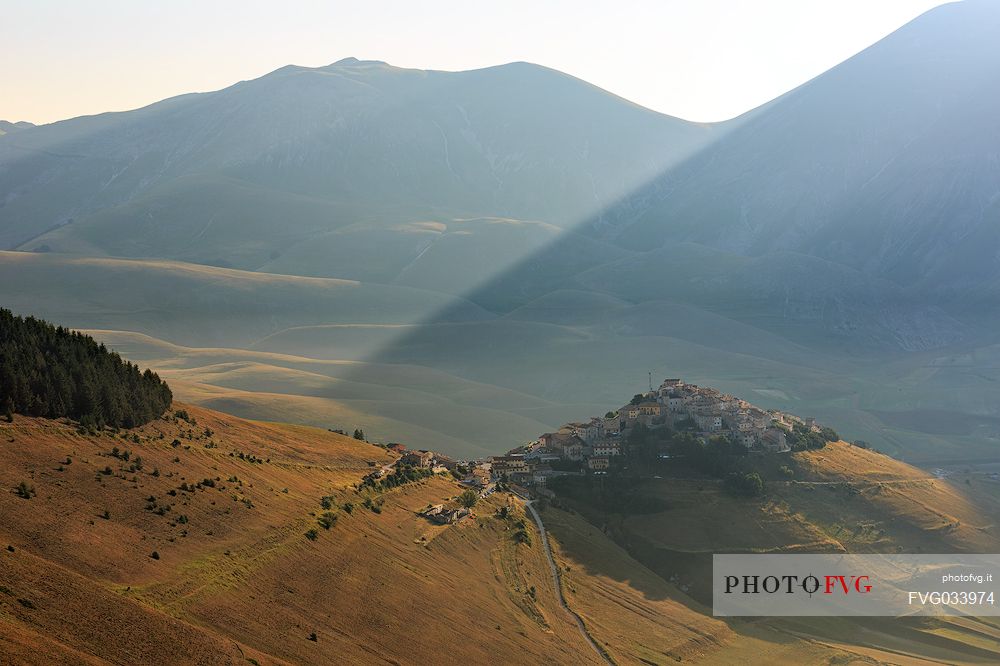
204,305
7,127
321,148
471,383
888,164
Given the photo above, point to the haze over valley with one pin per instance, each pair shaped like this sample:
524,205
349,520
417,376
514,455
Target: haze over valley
462,260
365,363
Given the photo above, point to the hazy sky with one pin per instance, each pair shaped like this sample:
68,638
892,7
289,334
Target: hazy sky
697,59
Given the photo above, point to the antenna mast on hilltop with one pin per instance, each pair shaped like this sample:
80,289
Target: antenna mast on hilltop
650,380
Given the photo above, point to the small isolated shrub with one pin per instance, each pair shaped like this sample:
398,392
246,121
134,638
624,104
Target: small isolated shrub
106,515
312,637
25,491
349,507
155,555
745,484
327,520
374,506
312,534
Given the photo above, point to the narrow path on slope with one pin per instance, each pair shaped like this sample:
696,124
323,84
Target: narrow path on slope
557,580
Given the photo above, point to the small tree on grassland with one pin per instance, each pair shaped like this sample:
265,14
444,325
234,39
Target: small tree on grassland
468,498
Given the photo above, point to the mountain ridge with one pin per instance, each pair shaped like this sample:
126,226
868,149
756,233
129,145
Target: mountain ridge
911,108
486,141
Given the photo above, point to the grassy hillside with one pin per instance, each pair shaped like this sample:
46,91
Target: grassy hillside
234,569
193,547
838,499
182,552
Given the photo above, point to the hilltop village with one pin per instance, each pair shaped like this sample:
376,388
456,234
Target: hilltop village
606,443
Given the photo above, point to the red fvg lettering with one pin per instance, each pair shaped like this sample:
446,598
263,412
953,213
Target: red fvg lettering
858,583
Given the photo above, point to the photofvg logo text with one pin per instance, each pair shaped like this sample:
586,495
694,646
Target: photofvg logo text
854,585
810,584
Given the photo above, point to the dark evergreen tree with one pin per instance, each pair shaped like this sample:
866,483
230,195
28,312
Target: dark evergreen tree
50,371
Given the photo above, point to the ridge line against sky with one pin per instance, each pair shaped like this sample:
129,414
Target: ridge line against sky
701,60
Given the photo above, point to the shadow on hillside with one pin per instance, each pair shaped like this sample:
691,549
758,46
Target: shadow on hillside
509,351
645,568
600,551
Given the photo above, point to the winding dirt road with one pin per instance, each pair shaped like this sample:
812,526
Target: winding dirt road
557,580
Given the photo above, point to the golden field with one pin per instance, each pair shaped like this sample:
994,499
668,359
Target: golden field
235,579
